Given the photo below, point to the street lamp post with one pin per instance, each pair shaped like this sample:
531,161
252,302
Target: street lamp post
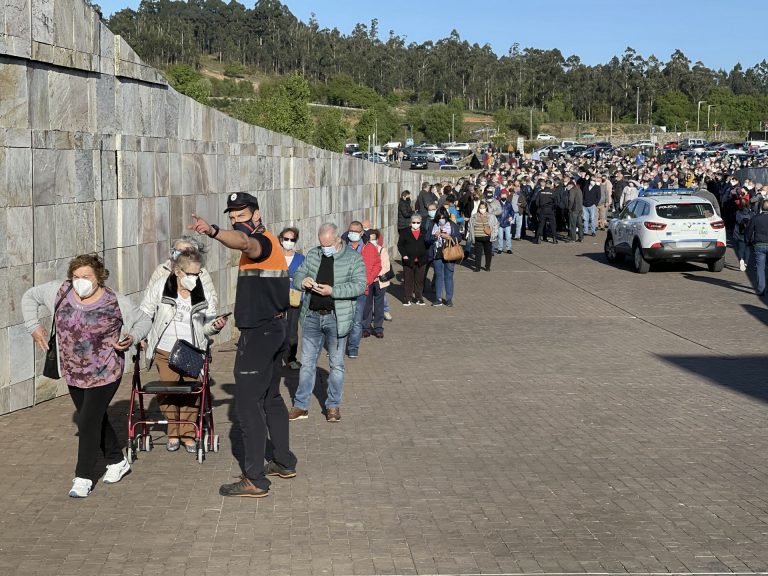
709,108
453,128
698,114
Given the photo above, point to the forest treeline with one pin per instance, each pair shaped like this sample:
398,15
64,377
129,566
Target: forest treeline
269,38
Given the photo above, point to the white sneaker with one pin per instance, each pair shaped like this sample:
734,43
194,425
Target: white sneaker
115,472
387,316
742,265
407,303
81,487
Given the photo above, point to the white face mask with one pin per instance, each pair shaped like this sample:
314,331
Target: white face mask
372,239
83,287
189,282
415,225
288,244
482,210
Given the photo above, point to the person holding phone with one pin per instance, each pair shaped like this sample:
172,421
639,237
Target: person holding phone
180,309
333,277
94,326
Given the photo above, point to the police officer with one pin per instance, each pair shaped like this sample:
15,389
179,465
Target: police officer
260,312
546,212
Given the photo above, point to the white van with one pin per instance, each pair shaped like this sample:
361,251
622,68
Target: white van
693,143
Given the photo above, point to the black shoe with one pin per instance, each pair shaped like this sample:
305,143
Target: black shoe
536,241
244,488
449,303
509,251
487,268
274,469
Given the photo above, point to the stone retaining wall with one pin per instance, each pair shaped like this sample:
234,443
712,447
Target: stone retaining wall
98,153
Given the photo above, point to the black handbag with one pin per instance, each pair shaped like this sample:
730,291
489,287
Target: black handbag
186,359
51,366
387,276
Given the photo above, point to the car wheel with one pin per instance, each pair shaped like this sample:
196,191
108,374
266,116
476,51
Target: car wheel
716,265
641,264
610,251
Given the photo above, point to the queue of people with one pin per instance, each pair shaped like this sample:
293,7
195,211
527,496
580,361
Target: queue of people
335,295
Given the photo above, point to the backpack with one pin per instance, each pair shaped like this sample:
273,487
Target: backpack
743,225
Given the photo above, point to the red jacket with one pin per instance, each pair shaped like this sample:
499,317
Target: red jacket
372,262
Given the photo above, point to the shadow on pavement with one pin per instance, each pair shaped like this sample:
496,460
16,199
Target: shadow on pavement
743,374
719,282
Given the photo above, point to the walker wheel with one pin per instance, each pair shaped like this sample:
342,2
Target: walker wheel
206,446
130,452
215,443
147,443
200,455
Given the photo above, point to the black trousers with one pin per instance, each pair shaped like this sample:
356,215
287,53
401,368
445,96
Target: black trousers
259,407
483,245
574,223
95,433
543,218
292,335
413,280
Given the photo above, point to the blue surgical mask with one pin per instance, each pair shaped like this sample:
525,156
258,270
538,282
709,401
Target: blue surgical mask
354,236
328,250
432,213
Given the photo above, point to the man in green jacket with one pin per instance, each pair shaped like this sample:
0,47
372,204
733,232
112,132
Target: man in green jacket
333,276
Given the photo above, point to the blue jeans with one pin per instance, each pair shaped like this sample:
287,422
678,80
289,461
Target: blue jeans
742,249
373,317
443,279
356,334
386,303
505,232
518,221
761,250
316,330
589,215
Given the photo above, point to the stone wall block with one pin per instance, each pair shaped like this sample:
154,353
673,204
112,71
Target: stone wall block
87,175
42,21
146,174
108,173
16,177
121,223
105,104
14,110
161,224
44,227
88,229
127,178
63,22
19,236
5,360
125,271
148,261
21,349
162,174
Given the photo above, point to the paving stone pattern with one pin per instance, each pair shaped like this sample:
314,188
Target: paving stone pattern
565,416
99,154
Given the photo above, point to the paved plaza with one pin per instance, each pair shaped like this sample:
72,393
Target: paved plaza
566,416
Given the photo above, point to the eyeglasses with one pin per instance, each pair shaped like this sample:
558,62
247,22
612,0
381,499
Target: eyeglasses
287,238
195,274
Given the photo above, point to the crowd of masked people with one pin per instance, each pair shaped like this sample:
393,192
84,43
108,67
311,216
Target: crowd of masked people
335,291
564,199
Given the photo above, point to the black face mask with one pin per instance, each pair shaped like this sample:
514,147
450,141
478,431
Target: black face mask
244,227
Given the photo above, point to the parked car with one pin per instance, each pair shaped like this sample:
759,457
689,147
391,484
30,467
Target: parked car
458,146
567,144
545,137
454,155
575,149
674,145
667,226
588,135
436,156
419,161
351,148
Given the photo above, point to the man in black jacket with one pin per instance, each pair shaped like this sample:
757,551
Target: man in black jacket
757,237
545,210
425,198
561,205
591,198
575,210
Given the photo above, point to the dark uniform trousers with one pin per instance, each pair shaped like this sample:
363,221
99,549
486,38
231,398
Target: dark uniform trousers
259,406
543,217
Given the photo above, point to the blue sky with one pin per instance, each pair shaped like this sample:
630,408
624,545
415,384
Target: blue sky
720,33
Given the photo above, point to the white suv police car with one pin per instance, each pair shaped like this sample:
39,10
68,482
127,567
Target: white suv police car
667,225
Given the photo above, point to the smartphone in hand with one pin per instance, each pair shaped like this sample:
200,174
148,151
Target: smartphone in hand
225,315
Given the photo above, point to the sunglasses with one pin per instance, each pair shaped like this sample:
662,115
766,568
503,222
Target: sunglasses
195,274
287,238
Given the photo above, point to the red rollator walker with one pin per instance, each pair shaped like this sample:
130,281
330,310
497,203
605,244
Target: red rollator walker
206,440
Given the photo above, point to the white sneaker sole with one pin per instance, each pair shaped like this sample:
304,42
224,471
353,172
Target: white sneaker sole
120,477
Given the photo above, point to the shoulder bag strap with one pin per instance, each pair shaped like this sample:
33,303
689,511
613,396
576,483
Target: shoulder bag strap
55,309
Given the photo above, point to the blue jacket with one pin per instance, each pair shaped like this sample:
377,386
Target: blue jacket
298,258
431,240
507,212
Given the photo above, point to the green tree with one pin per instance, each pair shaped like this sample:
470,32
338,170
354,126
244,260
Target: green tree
330,130
381,120
673,109
282,107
